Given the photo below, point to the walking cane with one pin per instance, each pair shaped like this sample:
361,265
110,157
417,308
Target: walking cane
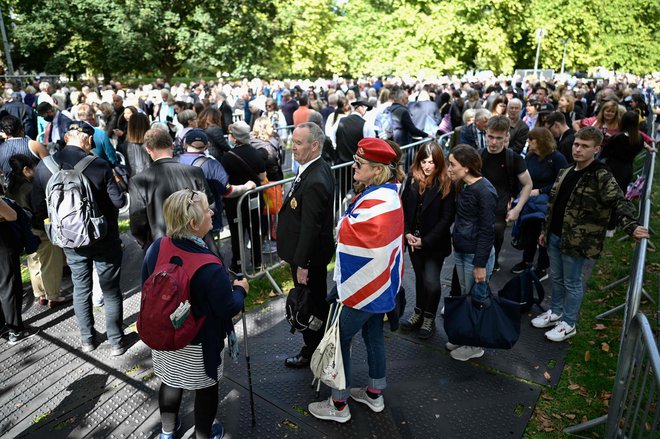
249,369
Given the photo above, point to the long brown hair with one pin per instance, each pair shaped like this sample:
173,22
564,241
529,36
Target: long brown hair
545,142
468,157
439,176
138,125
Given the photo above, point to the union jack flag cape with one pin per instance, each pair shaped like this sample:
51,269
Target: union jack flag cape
369,262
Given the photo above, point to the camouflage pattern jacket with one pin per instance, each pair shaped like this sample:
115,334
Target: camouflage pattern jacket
595,197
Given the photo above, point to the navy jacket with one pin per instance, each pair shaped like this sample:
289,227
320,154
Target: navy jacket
474,228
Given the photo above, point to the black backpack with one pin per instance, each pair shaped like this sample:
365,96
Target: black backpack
521,288
299,310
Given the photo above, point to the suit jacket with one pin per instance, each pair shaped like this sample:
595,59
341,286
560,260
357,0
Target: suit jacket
306,221
151,187
435,217
468,136
518,135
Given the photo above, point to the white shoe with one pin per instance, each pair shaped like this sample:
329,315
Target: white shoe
464,353
546,319
360,395
326,410
561,332
451,346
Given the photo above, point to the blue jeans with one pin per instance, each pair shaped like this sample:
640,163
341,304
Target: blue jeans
464,269
566,272
106,257
350,322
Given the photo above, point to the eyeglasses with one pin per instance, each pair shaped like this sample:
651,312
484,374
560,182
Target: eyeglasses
358,163
192,199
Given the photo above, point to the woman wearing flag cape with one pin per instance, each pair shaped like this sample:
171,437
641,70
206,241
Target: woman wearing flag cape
368,272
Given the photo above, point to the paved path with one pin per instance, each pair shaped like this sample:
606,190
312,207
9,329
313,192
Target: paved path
49,388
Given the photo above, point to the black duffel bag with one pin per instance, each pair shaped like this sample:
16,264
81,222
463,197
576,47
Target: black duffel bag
493,322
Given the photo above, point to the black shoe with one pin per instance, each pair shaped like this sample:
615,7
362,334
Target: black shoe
16,337
427,328
541,273
297,362
519,267
413,322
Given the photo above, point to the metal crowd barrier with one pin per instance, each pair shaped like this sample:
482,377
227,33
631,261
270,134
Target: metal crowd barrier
634,410
265,251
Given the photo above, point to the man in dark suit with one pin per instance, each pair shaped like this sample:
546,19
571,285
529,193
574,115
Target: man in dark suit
58,123
519,131
305,229
106,253
475,133
151,187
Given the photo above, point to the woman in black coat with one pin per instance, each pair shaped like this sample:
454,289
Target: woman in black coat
429,206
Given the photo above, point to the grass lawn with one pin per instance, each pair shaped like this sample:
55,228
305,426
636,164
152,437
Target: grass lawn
584,390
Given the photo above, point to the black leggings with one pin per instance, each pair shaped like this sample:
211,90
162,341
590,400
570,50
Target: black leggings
427,281
206,405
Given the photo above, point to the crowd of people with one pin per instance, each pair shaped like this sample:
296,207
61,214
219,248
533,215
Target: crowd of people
551,158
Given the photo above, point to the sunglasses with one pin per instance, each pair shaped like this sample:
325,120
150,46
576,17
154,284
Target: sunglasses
194,198
358,163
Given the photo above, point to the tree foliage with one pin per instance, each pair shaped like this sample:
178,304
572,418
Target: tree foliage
309,38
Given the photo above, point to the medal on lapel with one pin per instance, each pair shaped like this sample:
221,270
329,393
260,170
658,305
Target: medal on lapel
294,203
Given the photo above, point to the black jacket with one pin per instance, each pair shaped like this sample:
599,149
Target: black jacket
306,221
218,144
151,187
23,113
350,131
104,188
433,219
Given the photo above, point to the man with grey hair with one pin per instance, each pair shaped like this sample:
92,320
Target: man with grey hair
475,133
288,107
519,130
305,231
105,253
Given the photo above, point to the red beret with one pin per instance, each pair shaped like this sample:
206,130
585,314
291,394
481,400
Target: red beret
375,150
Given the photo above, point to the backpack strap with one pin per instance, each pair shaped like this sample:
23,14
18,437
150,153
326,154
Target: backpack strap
191,261
540,292
84,163
51,164
200,161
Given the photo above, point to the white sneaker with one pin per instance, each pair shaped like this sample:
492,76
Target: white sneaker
465,353
326,410
546,319
561,332
360,395
451,346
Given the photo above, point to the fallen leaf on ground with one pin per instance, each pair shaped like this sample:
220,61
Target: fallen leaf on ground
547,376
587,356
600,327
605,347
573,386
571,416
272,293
556,416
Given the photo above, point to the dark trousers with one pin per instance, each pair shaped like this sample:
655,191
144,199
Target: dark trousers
530,231
11,290
206,406
500,227
106,257
251,229
427,281
318,287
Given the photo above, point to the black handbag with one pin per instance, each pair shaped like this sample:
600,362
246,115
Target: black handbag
520,289
493,322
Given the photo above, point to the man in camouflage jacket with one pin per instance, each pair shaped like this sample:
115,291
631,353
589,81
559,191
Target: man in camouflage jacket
581,202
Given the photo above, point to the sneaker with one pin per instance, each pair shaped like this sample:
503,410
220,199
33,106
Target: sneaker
41,300
541,273
177,426
464,353
414,321
118,350
326,410
561,332
217,431
360,395
428,327
19,336
451,346
519,267
546,319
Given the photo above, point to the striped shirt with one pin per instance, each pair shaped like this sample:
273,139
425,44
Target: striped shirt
13,146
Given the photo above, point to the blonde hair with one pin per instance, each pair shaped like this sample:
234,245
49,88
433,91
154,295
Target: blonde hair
181,212
263,129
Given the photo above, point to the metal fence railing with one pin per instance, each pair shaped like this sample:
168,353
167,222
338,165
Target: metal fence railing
634,410
253,202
